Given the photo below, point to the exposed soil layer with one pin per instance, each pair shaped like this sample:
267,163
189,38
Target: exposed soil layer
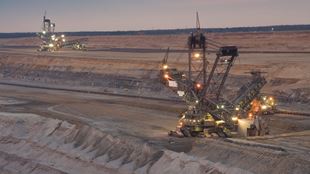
288,80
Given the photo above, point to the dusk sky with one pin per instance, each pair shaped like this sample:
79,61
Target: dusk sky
111,15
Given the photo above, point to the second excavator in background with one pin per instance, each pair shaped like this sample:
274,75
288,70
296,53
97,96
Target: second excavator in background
52,41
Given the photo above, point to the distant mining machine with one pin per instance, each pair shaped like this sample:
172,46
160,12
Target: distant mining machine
208,112
51,41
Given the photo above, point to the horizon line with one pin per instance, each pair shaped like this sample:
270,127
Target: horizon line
167,29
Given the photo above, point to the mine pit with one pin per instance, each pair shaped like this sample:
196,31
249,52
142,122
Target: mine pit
107,109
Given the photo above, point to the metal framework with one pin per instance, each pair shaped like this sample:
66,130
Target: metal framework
202,90
53,42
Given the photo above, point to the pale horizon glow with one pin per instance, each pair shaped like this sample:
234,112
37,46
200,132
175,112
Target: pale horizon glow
123,15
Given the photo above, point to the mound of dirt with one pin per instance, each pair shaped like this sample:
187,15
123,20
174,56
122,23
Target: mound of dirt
33,144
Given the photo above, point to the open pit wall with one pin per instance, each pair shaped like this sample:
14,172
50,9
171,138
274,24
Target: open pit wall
111,76
138,75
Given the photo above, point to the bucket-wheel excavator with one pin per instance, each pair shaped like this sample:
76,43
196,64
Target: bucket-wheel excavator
201,87
53,42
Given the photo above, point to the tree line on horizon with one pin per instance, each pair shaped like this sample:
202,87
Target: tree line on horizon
275,28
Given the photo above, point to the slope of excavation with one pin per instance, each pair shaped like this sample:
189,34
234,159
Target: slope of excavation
54,146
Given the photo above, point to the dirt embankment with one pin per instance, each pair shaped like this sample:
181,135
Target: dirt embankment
33,144
132,77
287,80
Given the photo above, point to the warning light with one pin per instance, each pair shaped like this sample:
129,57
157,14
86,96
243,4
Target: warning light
197,55
250,115
198,85
264,107
166,76
234,118
165,66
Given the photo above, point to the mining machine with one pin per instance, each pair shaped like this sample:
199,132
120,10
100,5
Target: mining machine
201,87
51,41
